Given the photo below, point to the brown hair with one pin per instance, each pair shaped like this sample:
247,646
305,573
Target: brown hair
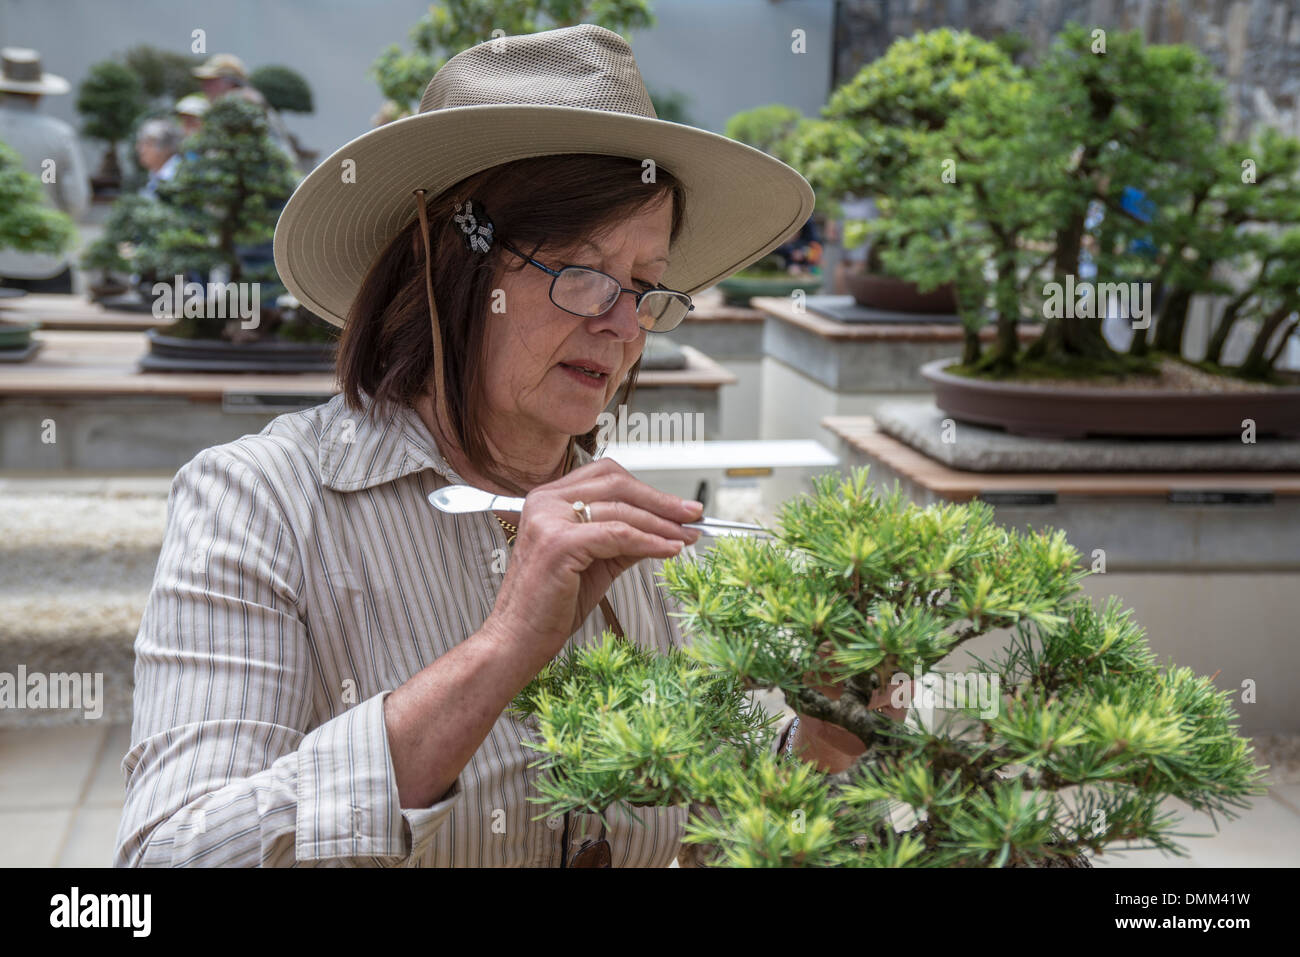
556,202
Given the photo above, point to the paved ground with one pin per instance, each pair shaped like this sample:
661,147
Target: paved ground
61,799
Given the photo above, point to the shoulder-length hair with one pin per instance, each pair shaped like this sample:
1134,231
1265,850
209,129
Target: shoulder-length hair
552,202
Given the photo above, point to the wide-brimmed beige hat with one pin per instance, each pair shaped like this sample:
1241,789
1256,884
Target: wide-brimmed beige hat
20,72
572,90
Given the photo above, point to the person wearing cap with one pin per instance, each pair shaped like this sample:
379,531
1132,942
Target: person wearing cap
325,662
38,139
224,74
190,111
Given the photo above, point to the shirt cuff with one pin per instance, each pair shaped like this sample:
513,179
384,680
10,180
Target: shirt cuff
348,805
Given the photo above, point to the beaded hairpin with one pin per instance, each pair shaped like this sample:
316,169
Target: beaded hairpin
475,226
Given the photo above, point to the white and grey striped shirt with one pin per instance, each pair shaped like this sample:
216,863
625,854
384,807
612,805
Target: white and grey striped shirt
303,577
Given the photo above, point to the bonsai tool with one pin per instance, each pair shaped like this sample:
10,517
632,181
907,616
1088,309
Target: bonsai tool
460,499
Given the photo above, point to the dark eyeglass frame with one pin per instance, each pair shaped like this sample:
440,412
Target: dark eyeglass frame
639,294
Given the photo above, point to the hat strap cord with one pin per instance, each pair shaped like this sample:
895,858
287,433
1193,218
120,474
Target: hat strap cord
440,389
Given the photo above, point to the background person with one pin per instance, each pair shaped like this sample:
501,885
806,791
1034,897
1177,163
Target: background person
37,138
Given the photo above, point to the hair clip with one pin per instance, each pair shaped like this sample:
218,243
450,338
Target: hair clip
475,226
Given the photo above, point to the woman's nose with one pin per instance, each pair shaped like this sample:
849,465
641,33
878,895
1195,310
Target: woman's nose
621,319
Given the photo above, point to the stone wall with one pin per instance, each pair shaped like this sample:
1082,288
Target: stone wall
1254,44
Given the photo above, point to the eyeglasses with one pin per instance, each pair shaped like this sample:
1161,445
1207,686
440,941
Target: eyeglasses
583,291
592,853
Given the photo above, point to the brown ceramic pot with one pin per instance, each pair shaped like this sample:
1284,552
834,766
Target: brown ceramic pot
1047,411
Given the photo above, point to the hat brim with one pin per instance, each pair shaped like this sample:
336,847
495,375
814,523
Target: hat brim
741,202
50,83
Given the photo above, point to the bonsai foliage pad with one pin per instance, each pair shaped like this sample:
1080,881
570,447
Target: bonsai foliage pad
978,448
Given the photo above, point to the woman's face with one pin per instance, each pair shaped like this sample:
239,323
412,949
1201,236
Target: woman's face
533,345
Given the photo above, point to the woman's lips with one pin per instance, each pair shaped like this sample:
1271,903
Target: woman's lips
591,380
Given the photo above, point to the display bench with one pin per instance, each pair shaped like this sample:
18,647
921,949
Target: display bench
815,366
105,415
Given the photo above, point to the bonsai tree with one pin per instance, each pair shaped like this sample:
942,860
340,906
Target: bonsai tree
228,196
1047,167
131,225
1245,222
287,92
110,99
456,25
165,76
285,89
1061,746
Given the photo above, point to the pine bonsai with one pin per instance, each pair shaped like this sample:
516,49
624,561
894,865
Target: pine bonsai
1064,744
229,195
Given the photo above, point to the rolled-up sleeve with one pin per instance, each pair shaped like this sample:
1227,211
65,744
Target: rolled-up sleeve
227,766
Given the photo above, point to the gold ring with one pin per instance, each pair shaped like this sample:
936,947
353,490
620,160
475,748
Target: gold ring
583,510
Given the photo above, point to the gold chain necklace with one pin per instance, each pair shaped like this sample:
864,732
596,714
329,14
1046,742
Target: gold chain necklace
511,530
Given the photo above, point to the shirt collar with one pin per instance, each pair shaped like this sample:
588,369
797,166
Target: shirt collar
357,451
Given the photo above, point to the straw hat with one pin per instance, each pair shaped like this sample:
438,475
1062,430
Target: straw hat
222,64
20,72
572,90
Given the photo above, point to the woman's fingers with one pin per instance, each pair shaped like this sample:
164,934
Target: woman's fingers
607,481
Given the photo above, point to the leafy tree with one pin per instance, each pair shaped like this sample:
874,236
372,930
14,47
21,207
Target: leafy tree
110,99
1068,746
455,25
28,223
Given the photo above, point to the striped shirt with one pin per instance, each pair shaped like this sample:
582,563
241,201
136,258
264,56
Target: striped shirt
303,577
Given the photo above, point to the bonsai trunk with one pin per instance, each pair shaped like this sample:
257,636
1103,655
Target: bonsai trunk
109,173
1258,364
1214,350
1171,321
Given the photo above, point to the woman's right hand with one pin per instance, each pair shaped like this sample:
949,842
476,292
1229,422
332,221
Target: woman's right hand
561,566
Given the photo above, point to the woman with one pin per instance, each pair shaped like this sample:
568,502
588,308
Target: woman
325,660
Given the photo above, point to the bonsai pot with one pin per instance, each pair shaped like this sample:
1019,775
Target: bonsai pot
1044,410
107,290
878,291
737,290
176,354
16,342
